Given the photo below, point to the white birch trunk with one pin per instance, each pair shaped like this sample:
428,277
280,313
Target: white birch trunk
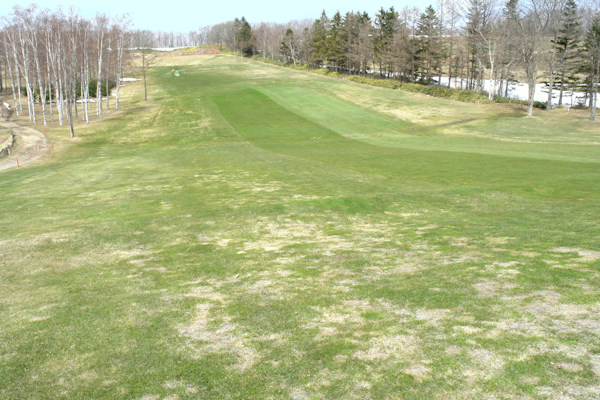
120,46
12,77
40,76
99,78
19,105
492,77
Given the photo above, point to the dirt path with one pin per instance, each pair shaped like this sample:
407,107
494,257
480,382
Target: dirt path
30,144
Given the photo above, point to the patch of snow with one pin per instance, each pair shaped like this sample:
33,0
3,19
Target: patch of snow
160,48
90,100
518,90
130,79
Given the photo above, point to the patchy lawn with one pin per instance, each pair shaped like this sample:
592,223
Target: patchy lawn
258,232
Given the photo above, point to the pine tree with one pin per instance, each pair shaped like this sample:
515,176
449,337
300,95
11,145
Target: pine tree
429,52
385,25
510,51
319,40
244,38
566,44
338,41
477,20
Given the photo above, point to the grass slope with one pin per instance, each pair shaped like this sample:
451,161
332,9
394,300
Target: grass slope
253,232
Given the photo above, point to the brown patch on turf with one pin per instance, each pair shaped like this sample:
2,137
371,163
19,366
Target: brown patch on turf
209,336
569,367
595,363
499,240
178,384
299,394
432,316
150,397
128,254
453,350
337,319
157,269
461,242
418,371
485,363
402,347
570,392
585,255
490,288
206,292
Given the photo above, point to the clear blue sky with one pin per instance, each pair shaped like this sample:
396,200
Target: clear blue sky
184,16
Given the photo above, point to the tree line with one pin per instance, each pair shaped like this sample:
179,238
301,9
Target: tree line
66,64
61,65
464,42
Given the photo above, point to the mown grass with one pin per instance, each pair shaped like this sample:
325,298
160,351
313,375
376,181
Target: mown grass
251,233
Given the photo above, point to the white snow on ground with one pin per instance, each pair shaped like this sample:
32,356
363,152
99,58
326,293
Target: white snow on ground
91,100
130,79
5,104
519,91
167,48
160,48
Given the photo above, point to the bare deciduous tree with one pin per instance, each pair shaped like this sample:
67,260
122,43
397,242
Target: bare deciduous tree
52,56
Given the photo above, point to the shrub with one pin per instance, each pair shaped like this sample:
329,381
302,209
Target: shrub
93,83
537,104
299,67
386,83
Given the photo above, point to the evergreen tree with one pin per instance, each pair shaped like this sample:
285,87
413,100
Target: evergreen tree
566,44
359,36
429,52
320,40
385,26
476,24
510,51
244,37
511,10
338,41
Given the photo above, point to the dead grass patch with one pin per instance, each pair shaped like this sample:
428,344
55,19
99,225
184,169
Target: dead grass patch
586,256
486,362
209,336
401,347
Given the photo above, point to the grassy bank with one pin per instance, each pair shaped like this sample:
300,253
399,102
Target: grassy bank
467,96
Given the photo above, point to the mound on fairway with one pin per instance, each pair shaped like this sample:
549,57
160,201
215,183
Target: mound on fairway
254,232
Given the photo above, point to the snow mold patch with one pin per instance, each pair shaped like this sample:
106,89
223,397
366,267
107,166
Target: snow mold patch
586,256
209,336
401,347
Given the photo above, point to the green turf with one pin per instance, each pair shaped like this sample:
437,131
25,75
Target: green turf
254,232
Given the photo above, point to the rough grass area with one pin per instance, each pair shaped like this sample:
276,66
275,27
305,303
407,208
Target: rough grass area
4,136
259,233
6,142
